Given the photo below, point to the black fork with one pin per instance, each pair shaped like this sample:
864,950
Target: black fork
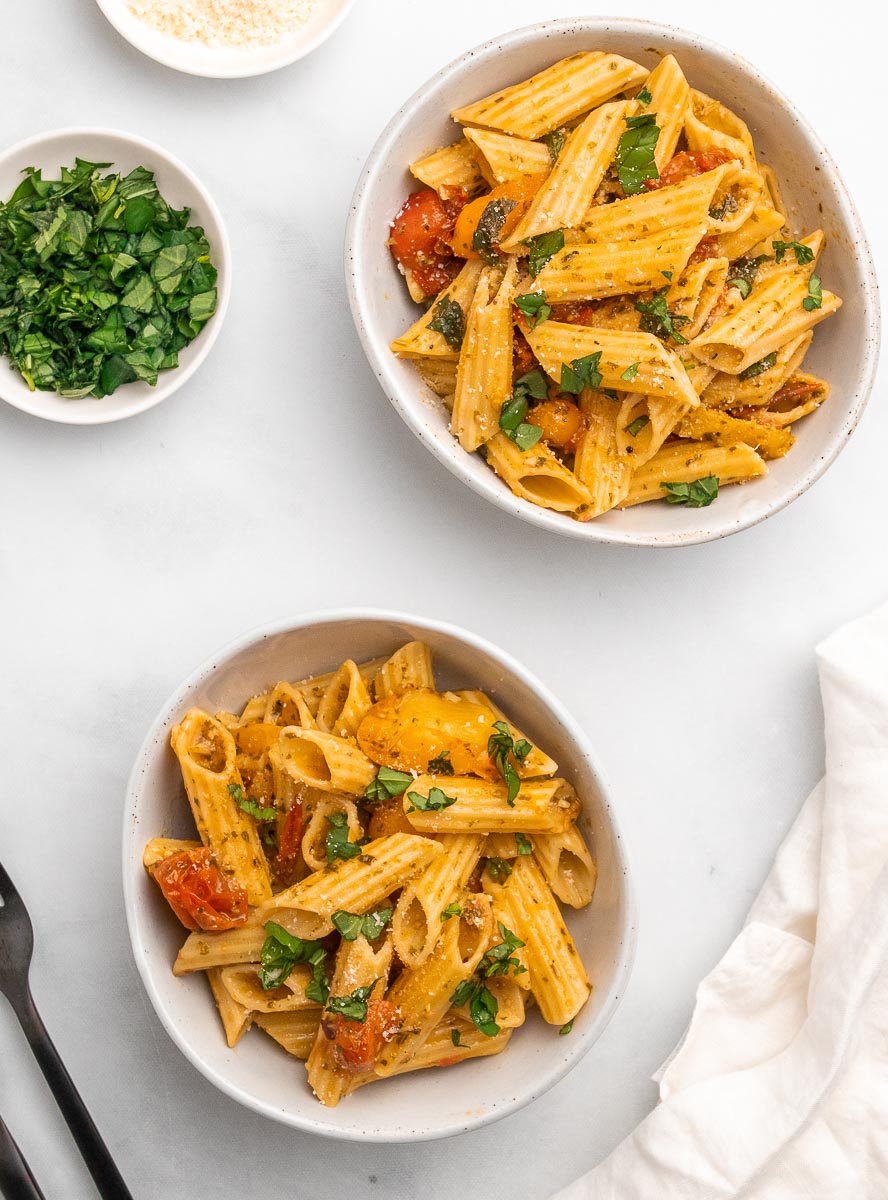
16,1180
16,948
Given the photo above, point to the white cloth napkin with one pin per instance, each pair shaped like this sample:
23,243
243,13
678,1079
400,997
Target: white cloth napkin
780,1088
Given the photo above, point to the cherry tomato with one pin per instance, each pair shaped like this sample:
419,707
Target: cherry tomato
420,238
560,420
357,1045
388,817
707,247
794,392
523,359
520,191
688,163
290,836
576,312
198,893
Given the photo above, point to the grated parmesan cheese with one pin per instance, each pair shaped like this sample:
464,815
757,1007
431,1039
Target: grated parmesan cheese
225,22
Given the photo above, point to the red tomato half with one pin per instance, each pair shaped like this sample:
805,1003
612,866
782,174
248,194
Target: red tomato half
707,247
358,1044
290,837
420,238
198,893
688,163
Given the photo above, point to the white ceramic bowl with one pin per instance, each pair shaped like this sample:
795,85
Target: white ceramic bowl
58,148
412,1107
845,347
226,62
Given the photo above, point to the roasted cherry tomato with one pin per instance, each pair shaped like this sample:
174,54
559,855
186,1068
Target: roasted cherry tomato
357,1044
523,360
519,191
290,836
687,163
794,392
198,893
420,238
560,420
707,247
388,817
576,312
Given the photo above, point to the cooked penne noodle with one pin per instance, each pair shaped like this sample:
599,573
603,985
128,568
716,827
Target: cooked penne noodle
448,170
719,428
538,476
314,839
160,848
409,667
541,805
295,1031
416,924
801,395
235,1016
600,462
345,702
484,372
504,157
695,293
322,760
312,689
670,98
685,462
730,391
440,1050
708,123
242,984
567,865
440,375
202,951
762,224
420,340
536,762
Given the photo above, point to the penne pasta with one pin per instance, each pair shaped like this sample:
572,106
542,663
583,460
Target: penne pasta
294,1031
416,924
504,157
541,806
420,340
669,98
409,667
236,1018
567,866
686,462
538,476
345,702
450,170
484,372
322,760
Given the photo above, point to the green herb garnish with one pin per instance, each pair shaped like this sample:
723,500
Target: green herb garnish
555,142
236,792
435,801
483,1005
565,1029
743,273
502,748
718,212
635,427
338,844
581,373
814,298
388,784
352,1007
803,254
353,925
454,1036
532,384
101,281
452,910
758,368
699,494
441,764
635,153
513,424
630,372
450,321
281,951
498,960
499,868
542,248
644,96
524,844
489,227
658,320
534,307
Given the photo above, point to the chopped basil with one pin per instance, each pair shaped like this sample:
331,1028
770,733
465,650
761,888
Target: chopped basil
450,321
499,868
542,248
699,494
435,801
532,384
236,792
581,373
743,273
803,254
524,844
814,298
352,1007
452,910
388,784
630,372
441,765
635,153
718,212
565,1029
554,141
338,844
489,227
741,285
758,368
454,1036
534,307
644,96
635,427
281,951
513,424
666,274
483,1005
319,988
500,746
657,319
499,959
370,926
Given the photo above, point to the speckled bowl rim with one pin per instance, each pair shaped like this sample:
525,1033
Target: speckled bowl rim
409,407
569,1050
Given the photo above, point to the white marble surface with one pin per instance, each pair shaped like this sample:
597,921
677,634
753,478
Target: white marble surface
280,479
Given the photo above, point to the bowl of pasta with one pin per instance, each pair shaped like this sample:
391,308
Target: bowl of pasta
591,263
360,845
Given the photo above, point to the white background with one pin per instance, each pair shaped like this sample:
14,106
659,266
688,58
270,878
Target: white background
280,480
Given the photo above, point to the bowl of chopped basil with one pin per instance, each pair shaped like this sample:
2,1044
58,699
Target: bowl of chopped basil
114,275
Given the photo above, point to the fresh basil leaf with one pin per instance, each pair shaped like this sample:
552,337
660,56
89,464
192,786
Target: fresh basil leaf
526,436
499,868
489,228
348,924
435,801
524,844
635,153
500,959
483,1009
534,307
532,384
236,792
543,247
565,1029
699,494
758,368
450,321
513,424
666,274
375,923
555,142
743,272
644,96
741,285
370,926
463,993
814,298
502,748
658,320
454,1036
581,373
635,427
452,910
728,204
803,254
388,784
280,952
352,1007
319,988
630,372
441,764
337,842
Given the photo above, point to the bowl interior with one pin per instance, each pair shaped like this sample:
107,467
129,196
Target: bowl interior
51,151
257,1072
844,347
197,58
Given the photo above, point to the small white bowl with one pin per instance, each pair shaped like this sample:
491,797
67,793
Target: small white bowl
413,1107
226,62
177,184
845,348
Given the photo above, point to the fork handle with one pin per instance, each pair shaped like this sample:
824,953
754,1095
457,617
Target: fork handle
95,1153
16,1180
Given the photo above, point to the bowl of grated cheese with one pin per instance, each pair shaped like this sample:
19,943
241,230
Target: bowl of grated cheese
226,38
